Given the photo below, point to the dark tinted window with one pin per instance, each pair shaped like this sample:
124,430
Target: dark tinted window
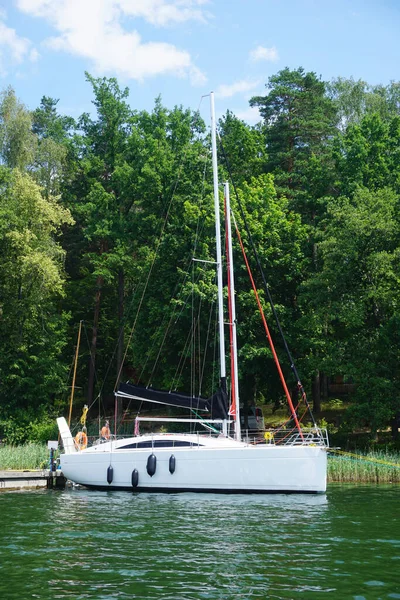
158,444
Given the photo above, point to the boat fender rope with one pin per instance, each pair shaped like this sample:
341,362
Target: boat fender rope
81,440
151,464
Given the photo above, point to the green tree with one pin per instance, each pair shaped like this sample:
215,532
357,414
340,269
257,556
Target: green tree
93,196
354,301
32,331
299,121
367,154
300,124
53,133
18,144
356,99
243,147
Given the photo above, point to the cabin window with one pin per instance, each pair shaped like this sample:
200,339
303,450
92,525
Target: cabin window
159,444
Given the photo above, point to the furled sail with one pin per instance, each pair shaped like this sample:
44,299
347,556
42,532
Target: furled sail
216,406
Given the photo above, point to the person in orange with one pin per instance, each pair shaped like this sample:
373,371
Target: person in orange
105,431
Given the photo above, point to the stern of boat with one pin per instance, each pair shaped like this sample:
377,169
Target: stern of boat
66,436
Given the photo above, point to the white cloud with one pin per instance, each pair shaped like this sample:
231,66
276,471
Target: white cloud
33,55
13,48
162,12
93,29
250,115
244,85
263,53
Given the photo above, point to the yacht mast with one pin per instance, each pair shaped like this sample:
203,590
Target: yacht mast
235,409
218,243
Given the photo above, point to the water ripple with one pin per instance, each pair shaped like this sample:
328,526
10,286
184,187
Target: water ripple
98,545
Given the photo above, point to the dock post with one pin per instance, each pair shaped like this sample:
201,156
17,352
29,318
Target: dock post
52,445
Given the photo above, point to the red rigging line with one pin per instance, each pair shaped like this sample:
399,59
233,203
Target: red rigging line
271,343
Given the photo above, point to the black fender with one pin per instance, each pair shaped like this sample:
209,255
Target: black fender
151,464
172,464
135,478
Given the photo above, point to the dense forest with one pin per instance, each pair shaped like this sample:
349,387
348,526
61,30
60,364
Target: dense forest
100,218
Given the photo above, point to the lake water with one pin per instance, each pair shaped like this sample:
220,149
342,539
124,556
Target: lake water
81,544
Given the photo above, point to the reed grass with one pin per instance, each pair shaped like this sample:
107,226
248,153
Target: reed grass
25,457
370,467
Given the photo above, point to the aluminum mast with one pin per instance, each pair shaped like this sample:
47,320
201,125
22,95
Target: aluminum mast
232,312
218,244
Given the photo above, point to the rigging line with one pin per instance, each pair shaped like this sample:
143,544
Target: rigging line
69,375
296,408
213,379
183,155
283,425
201,375
74,376
271,343
193,348
292,429
196,237
172,320
199,341
172,317
175,293
363,458
94,368
193,339
123,322
101,387
198,330
164,225
201,418
149,352
179,370
185,301
265,284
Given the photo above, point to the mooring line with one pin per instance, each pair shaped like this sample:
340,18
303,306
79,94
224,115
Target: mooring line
372,460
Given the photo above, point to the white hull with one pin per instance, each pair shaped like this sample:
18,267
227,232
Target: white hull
220,465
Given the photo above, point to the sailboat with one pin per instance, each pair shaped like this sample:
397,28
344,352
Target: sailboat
216,460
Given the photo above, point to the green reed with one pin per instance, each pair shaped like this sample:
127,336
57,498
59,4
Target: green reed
371,467
27,456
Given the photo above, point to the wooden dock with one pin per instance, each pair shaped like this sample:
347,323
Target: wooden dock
17,480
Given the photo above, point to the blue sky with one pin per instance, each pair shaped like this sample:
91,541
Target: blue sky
182,49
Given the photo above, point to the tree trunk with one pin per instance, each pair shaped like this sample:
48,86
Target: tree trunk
316,393
92,365
324,387
395,424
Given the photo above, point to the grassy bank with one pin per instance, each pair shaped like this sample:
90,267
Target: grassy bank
372,467
27,456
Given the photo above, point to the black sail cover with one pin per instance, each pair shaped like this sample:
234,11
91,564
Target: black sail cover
216,407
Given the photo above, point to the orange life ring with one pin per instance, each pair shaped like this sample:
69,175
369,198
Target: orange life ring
81,440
